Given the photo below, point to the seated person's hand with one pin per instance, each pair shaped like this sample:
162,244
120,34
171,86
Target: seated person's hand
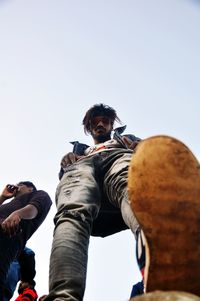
11,224
23,285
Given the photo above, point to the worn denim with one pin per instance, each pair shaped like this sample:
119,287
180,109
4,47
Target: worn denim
78,199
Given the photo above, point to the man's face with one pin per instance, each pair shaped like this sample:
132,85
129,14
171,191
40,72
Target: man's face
22,189
101,128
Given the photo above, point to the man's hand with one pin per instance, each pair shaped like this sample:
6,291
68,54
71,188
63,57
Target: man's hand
129,143
69,159
11,224
7,194
23,285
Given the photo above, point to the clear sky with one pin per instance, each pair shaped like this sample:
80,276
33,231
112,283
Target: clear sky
58,58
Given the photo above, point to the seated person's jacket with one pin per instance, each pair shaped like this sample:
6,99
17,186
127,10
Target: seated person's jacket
137,289
29,294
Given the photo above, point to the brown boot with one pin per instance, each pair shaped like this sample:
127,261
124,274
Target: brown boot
164,190
166,296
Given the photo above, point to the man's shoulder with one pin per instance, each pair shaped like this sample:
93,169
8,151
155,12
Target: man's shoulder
118,134
42,201
79,148
132,137
41,194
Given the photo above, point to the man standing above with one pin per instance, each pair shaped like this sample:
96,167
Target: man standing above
19,219
91,194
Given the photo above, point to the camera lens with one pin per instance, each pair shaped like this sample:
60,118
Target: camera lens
11,188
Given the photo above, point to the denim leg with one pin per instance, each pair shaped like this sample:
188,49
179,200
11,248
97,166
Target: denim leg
9,250
78,203
12,279
115,184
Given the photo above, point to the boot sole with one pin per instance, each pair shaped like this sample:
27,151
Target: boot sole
164,191
166,296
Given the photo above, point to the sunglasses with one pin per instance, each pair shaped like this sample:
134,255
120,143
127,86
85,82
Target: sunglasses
95,121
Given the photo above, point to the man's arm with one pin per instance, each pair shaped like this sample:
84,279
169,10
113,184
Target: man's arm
2,199
11,224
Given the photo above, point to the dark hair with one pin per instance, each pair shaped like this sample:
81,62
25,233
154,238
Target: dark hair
99,110
28,184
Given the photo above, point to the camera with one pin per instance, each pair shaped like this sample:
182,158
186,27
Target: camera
11,188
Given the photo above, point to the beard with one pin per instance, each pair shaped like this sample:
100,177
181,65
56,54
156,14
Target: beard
100,138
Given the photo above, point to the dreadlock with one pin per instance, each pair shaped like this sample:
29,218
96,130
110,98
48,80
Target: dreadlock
99,110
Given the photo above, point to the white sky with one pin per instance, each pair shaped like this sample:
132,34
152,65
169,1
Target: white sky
58,58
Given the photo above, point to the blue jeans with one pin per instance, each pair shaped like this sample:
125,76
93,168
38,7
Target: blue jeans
12,279
9,250
78,200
